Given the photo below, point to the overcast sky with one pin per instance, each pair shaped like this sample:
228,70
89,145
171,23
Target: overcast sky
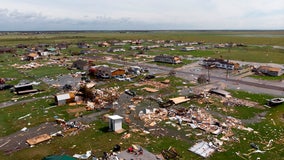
140,14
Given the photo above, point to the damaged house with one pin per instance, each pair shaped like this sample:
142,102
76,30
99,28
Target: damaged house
7,50
106,72
220,63
32,56
83,45
103,44
168,45
49,51
24,89
271,71
167,59
115,49
136,47
81,65
62,46
188,49
22,46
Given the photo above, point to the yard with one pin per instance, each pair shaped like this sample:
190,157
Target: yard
98,139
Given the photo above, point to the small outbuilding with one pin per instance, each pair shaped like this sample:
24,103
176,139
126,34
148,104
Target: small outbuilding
115,122
62,99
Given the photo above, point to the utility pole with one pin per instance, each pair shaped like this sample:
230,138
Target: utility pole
227,73
208,73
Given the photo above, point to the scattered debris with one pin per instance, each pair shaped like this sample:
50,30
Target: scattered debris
24,129
25,116
170,153
179,100
150,89
38,139
203,149
83,156
275,101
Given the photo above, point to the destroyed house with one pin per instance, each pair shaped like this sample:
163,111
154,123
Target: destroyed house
62,99
181,44
83,45
134,70
118,43
32,56
116,50
43,45
188,49
89,51
168,45
21,46
80,64
136,47
106,72
271,71
7,50
62,46
101,71
24,89
117,72
153,46
220,63
104,44
167,59
49,52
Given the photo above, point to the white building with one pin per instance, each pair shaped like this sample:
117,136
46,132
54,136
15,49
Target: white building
115,122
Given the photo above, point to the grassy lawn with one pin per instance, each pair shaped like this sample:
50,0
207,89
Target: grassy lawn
251,54
260,98
49,71
97,138
267,131
270,78
9,122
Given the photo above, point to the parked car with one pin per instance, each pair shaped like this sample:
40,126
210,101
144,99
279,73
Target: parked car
150,76
130,92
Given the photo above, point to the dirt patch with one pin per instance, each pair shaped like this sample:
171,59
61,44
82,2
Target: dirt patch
76,110
157,85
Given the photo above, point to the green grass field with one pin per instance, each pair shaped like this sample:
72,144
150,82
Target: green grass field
96,138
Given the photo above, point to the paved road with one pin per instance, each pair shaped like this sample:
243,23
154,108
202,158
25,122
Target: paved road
261,84
10,103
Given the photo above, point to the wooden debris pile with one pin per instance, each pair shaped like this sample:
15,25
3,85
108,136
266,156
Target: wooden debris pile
151,118
102,97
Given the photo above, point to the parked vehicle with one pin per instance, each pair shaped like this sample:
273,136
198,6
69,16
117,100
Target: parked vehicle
130,92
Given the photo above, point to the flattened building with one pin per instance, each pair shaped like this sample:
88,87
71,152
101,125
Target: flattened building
168,59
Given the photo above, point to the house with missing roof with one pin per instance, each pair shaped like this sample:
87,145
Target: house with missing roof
271,71
104,71
220,63
167,59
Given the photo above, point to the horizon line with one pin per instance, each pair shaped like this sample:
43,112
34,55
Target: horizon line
138,30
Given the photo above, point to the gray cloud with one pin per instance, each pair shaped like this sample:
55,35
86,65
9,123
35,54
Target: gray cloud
15,20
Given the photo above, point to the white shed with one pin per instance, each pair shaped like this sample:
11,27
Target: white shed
115,122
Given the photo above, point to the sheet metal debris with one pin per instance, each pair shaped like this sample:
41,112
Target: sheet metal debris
203,149
83,156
